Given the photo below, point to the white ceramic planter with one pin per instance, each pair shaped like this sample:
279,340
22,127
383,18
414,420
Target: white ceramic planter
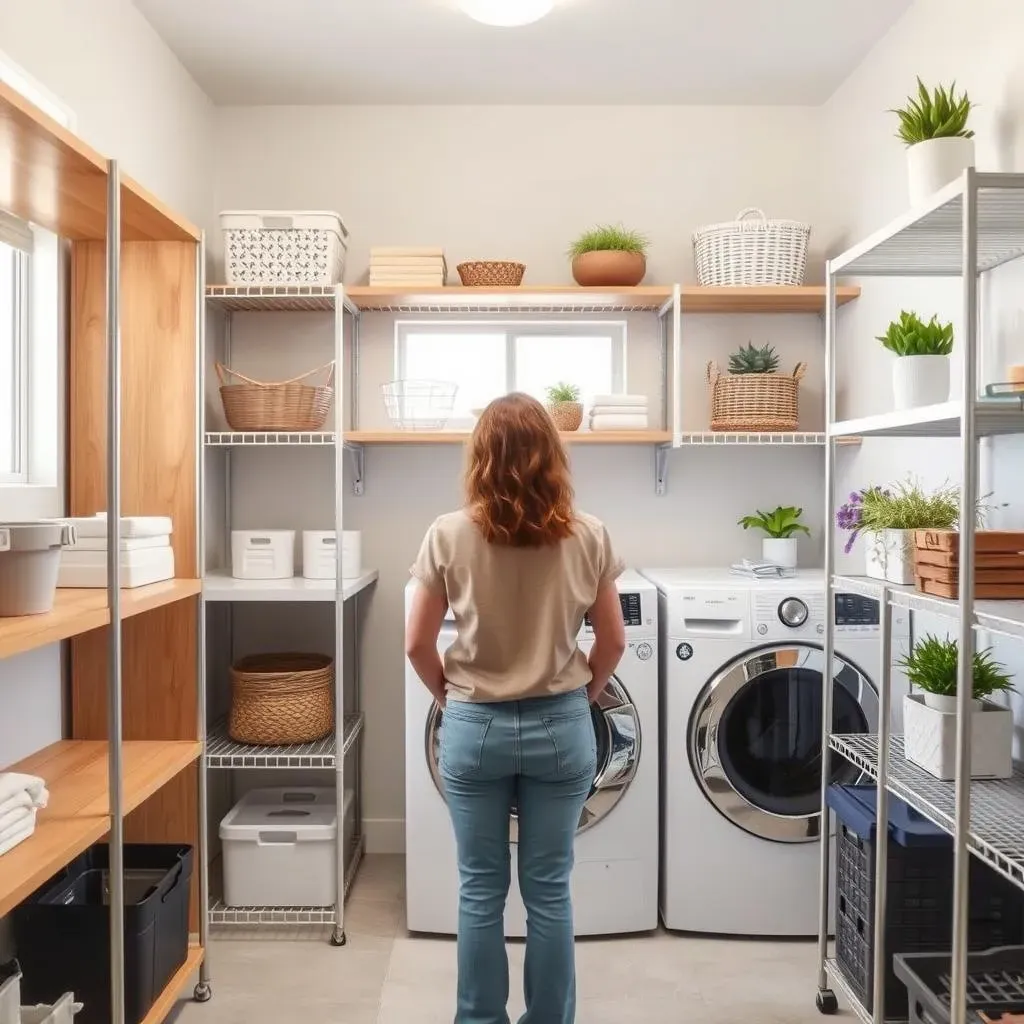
929,739
935,163
889,555
781,551
874,554
920,380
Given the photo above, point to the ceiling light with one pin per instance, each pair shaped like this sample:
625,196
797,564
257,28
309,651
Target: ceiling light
506,13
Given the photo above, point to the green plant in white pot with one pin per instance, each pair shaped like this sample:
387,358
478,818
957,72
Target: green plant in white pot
780,528
940,146
929,717
920,374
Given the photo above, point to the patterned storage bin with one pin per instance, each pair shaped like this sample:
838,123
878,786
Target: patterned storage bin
283,247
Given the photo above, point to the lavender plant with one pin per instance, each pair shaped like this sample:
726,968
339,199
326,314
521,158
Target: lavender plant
849,515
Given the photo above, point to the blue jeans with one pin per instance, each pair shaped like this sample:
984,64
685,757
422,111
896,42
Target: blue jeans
539,757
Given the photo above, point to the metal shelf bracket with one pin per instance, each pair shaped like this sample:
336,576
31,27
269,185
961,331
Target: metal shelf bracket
357,459
661,469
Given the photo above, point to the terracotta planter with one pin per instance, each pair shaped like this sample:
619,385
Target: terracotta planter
567,415
609,267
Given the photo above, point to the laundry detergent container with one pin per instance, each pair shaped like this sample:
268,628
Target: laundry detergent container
29,564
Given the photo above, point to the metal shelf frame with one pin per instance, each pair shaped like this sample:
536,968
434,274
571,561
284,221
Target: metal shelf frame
973,225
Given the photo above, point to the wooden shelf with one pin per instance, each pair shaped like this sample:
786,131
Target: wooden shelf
78,611
166,1001
425,437
77,816
802,299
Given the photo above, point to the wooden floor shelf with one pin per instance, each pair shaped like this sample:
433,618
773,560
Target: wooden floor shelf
166,1001
75,772
78,611
421,437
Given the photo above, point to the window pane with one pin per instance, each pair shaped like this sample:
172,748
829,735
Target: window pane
543,361
8,352
475,362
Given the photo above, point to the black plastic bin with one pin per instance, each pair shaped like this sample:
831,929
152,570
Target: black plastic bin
62,932
919,900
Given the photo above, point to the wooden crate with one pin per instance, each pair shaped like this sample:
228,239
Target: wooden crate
998,564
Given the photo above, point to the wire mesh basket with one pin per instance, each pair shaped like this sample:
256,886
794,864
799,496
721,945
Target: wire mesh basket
419,404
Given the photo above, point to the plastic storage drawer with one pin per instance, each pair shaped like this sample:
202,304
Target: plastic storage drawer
919,904
62,933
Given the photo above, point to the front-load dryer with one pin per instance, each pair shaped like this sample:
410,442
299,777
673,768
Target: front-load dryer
615,878
742,667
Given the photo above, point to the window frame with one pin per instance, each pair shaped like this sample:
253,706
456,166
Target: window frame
21,413
513,330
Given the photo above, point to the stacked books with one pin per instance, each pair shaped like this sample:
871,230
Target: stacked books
619,412
761,570
146,552
394,266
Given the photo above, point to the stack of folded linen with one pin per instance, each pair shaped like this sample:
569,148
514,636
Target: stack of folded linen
21,798
398,266
619,412
146,552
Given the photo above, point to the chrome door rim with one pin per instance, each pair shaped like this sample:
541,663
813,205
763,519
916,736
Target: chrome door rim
617,716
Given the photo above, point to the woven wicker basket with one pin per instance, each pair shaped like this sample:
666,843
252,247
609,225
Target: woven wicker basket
567,415
491,274
278,699
751,252
287,405
755,401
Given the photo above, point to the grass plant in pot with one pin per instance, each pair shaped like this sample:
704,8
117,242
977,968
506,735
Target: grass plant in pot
609,255
780,528
920,374
929,717
940,146
564,406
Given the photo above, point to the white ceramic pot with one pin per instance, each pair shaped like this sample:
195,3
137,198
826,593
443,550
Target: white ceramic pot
780,550
874,554
946,702
934,163
920,380
899,556
929,739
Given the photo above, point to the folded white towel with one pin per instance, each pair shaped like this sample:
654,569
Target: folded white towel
13,784
15,820
617,410
15,809
638,422
18,834
631,400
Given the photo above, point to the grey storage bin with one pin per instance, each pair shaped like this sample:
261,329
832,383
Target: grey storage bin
29,564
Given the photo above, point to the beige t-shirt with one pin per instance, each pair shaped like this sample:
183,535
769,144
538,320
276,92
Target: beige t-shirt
518,611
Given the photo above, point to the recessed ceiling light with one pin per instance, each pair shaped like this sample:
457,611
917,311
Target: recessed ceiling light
506,13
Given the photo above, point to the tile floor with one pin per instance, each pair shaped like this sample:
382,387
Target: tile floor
383,976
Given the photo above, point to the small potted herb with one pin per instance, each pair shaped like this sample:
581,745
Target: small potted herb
940,146
564,406
929,717
920,374
609,255
780,528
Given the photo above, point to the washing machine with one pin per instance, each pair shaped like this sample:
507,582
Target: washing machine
741,678
615,880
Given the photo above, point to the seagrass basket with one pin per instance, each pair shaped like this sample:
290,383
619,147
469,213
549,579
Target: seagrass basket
286,405
755,401
567,415
280,699
491,273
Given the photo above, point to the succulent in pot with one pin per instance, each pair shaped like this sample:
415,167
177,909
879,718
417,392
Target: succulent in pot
754,359
564,406
920,374
609,255
780,527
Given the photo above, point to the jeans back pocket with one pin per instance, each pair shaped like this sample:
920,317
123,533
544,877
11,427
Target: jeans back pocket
463,732
575,742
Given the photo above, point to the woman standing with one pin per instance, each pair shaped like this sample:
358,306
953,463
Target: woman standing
519,567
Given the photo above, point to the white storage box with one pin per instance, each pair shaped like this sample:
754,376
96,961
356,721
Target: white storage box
283,247
280,848
262,554
95,527
61,1012
139,567
10,993
320,554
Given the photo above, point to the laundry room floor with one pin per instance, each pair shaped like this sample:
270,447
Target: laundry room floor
383,976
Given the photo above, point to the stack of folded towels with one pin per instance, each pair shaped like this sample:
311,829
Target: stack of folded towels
619,412
21,798
146,552
401,266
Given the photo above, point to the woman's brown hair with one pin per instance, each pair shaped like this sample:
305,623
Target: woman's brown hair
518,488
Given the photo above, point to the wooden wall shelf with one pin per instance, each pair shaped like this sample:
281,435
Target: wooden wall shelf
424,437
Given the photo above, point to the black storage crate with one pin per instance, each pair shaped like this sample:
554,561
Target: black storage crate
62,933
919,899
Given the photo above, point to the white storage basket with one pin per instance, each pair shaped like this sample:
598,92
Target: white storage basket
283,247
262,554
751,252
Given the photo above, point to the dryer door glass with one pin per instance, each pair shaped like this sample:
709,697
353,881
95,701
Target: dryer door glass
617,729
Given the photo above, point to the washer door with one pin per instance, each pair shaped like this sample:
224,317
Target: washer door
617,728
755,737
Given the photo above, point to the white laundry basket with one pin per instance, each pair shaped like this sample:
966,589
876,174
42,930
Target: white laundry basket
751,250
283,246
61,1012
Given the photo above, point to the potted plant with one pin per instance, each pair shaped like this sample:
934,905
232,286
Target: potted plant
780,527
564,406
929,717
940,146
609,255
848,518
920,374
753,395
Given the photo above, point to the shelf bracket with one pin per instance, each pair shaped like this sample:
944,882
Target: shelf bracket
661,469
357,459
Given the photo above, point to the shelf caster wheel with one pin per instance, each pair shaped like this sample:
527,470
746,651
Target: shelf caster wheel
826,1002
338,937
202,993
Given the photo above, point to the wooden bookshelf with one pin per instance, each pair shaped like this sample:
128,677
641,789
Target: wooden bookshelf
428,437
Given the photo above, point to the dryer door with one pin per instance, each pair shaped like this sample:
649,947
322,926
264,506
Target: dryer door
755,737
617,728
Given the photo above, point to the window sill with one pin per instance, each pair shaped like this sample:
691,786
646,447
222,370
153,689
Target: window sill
25,502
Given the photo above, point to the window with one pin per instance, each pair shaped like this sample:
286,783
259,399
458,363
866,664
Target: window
14,354
486,360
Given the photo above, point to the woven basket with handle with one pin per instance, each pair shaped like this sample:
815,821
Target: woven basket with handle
751,250
755,401
491,273
278,699
285,405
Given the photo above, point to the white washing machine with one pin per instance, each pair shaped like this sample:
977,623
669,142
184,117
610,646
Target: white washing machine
615,880
742,670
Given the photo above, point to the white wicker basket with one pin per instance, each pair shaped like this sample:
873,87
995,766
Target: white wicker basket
419,404
283,247
751,252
